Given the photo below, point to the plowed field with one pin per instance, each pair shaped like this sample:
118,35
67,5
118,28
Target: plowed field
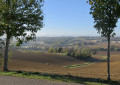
53,63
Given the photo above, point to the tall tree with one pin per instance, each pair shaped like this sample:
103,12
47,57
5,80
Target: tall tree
20,19
105,17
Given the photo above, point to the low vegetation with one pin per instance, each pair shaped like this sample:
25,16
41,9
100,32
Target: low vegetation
79,65
81,53
56,77
30,51
53,64
78,53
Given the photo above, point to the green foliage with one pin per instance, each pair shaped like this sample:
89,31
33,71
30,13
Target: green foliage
55,50
81,53
105,16
30,51
79,65
65,78
50,50
59,49
65,50
21,19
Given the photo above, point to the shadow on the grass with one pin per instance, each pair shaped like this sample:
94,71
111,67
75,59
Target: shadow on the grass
67,78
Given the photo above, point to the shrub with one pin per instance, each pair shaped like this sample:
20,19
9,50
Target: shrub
82,53
68,54
50,50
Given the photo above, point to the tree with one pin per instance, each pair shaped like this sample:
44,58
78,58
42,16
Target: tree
20,19
65,50
54,50
50,50
105,17
59,49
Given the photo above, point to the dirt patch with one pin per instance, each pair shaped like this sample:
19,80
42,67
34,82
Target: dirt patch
45,58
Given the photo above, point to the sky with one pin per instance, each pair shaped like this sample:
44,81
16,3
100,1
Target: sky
68,18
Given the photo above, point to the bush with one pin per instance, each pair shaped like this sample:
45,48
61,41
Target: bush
50,50
68,54
82,53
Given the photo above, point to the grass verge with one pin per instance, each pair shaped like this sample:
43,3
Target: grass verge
55,77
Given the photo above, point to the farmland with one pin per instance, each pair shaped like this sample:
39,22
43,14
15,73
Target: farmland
57,64
94,43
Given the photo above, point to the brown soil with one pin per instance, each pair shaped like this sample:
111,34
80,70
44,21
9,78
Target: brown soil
49,63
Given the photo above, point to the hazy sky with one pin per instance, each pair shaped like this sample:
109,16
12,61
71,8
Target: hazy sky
68,18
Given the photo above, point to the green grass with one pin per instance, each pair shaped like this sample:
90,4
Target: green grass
85,64
103,56
30,51
70,44
79,65
55,77
61,53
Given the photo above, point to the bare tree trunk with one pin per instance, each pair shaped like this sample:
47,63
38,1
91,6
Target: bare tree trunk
108,59
5,68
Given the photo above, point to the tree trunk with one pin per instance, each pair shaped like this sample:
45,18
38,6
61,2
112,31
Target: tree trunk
5,68
108,59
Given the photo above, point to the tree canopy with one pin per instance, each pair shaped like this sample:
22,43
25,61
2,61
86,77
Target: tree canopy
21,18
105,14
